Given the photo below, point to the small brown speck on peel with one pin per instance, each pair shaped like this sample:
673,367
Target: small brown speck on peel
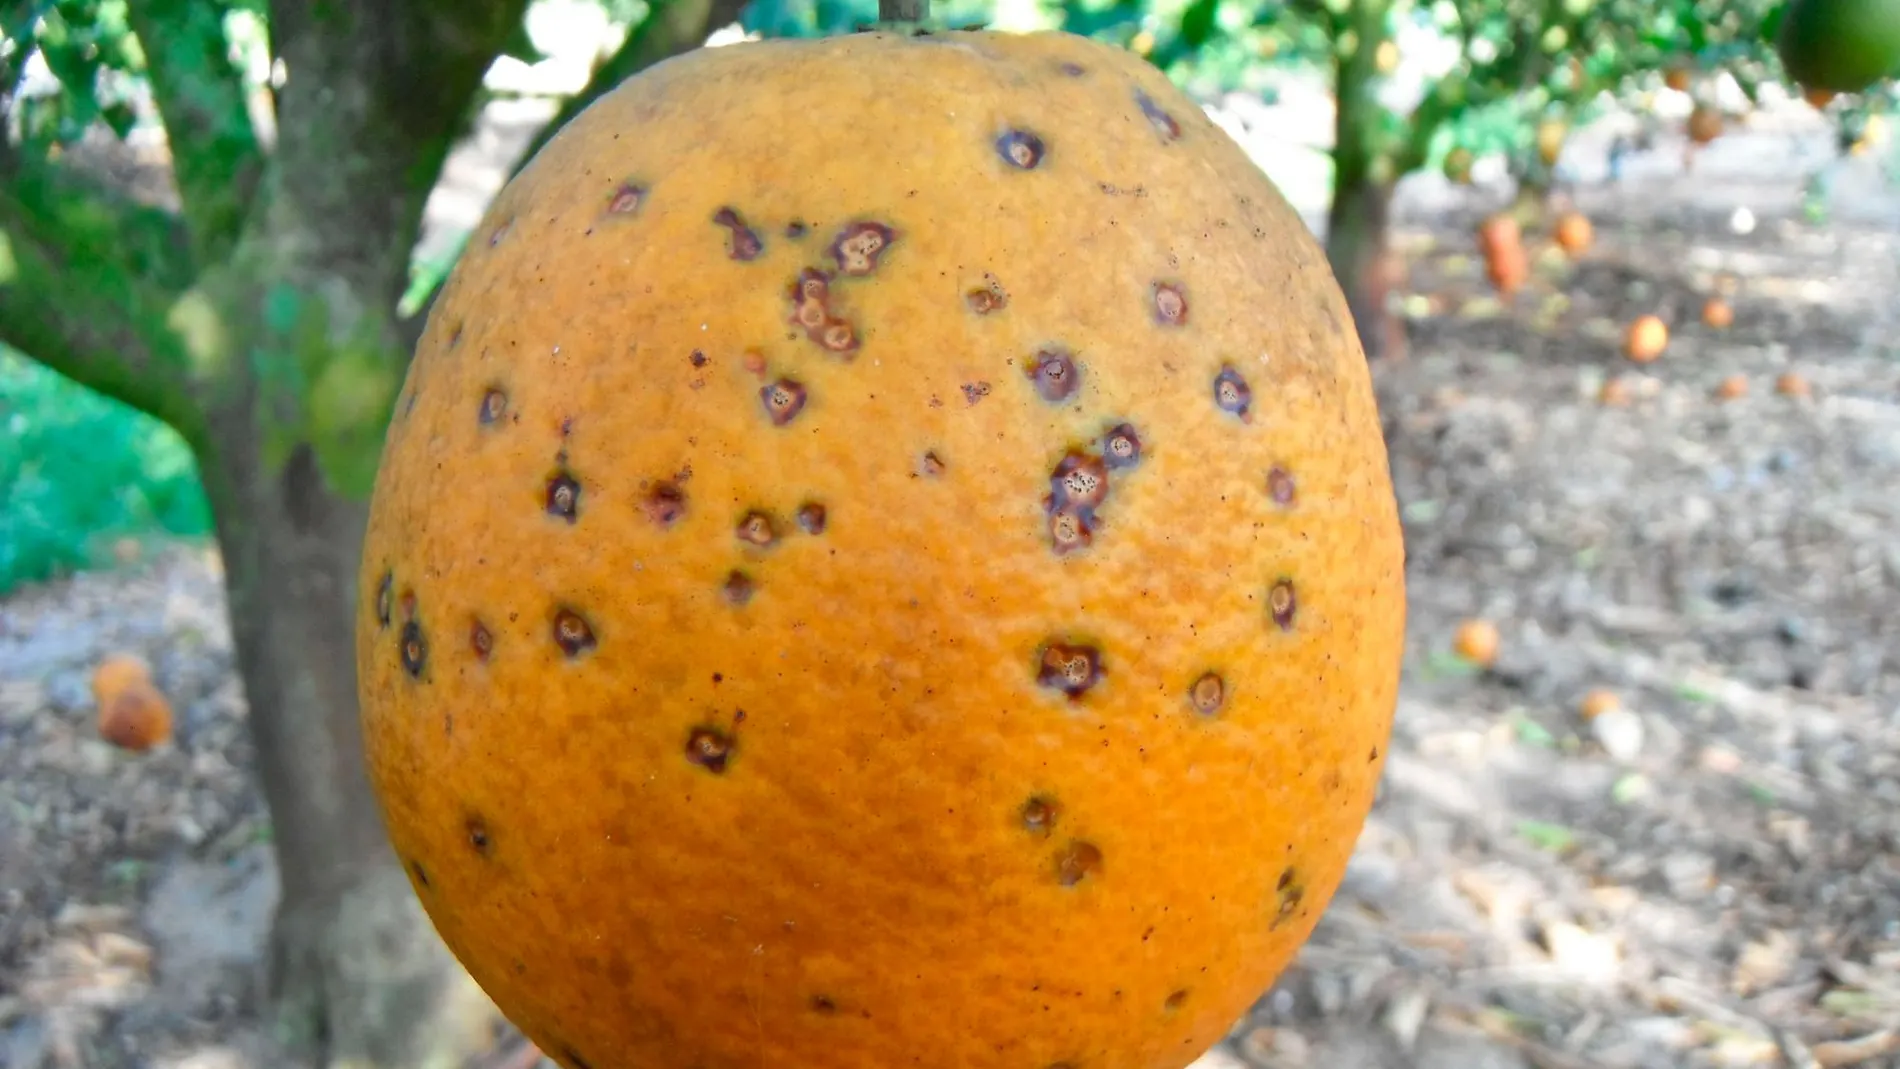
859,246
1164,124
1038,815
739,587
627,199
742,242
1071,669
1232,393
783,400
386,598
415,649
988,298
1121,447
1176,1000
1054,373
1077,861
931,465
1280,486
1288,894
709,748
481,640
757,529
1209,694
572,633
564,496
1171,307
1282,603
1020,149
494,406
811,518
665,503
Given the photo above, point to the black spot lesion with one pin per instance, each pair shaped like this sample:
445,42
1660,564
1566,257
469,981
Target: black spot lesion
711,748
1021,149
738,588
627,199
1288,893
1121,447
421,874
1170,304
811,311
572,633
1077,861
574,1060
1072,668
665,503
1232,394
494,405
742,242
1281,488
1163,123
783,400
480,640
415,649
386,597
812,518
1208,694
860,245
1078,487
475,829
564,496
988,298
1038,814
757,528
823,1005
1282,603
1175,1000
1054,373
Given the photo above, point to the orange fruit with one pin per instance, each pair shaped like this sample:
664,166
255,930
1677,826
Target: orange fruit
115,672
1574,232
1597,702
136,717
1615,393
1732,387
1817,98
1646,339
1705,124
1793,384
1476,641
808,605
1551,134
1677,78
1717,313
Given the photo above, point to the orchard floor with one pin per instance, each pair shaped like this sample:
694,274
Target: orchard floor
1710,878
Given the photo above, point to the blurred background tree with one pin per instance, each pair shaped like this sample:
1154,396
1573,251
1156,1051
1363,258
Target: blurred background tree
218,349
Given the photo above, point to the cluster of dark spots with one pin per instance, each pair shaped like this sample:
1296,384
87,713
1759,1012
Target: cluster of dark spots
1164,124
1020,149
573,633
627,199
931,465
1121,447
494,406
757,529
1288,893
858,247
1175,1000
1076,861
422,874
564,496
665,503
783,400
1077,488
811,518
811,311
385,598
975,391
1054,373
480,640
1231,392
1071,669
1209,694
739,587
1038,814
415,649
742,242
698,358
987,298
1282,603
709,748
1280,486
477,831
1171,306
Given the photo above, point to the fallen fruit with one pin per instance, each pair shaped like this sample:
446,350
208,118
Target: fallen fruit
136,717
1645,339
1732,387
807,616
1574,232
115,672
1597,702
1705,124
1615,393
1476,641
1677,77
1717,313
1793,384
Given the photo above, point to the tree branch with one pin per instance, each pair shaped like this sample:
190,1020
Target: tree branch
670,28
200,97
85,285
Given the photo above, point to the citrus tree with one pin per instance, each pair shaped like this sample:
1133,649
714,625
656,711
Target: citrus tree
1483,74
250,300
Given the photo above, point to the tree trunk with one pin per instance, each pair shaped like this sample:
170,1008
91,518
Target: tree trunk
357,972
1356,246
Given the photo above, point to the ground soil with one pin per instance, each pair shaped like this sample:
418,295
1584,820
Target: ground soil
1708,877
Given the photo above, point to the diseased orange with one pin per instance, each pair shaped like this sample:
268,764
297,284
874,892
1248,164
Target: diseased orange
1477,641
1597,702
115,672
1574,232
1731,388
1793,384
1614,393
1717,313
1645,339
885,552
136,717
1705,124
